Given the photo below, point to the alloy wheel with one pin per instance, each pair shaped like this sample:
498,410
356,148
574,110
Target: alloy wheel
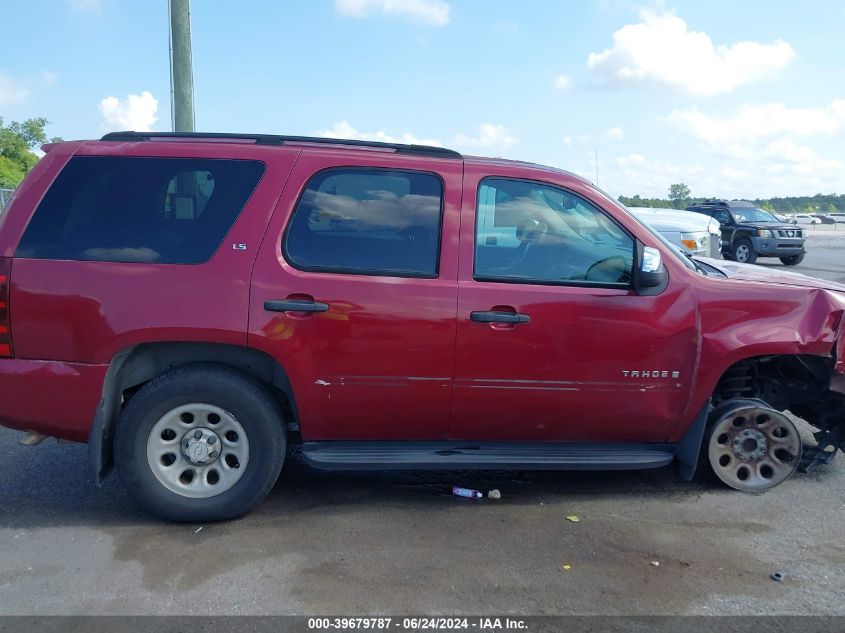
742,253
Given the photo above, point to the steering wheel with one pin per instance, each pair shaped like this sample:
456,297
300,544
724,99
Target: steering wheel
607,267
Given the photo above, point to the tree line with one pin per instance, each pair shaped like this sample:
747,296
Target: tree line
680,196
17,140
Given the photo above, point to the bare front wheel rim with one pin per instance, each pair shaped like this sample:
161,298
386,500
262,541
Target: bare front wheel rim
754,449
198,450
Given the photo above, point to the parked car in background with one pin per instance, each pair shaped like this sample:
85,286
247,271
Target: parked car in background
694,232
803,218
823,219
749,232
837,217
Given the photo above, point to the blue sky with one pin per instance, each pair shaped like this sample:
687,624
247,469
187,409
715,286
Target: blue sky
734,98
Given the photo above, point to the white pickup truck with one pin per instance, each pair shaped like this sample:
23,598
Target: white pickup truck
697,233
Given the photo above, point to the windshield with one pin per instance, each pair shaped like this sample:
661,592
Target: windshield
753,215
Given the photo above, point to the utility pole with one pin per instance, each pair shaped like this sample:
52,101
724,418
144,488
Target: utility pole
181,70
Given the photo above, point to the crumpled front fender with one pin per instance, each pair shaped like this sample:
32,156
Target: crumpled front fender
837,380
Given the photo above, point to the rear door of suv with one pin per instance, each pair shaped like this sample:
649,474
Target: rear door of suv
354,292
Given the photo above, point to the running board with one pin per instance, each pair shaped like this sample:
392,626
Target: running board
454,455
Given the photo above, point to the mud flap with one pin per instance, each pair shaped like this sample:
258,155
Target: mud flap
688,450
99,446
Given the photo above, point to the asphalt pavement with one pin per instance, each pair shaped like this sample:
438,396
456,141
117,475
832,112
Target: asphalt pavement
362,543
825,257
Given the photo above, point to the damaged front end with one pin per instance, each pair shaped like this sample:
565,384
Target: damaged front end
810,387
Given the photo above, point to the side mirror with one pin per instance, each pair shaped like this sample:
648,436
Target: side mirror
650,275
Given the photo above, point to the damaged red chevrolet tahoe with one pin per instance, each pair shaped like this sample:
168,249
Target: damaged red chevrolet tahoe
194,305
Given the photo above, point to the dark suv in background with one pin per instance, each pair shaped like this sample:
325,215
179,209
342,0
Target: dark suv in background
749,232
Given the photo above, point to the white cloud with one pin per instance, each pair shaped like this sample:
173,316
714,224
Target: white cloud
48,77
490,138
11,91
637,174
567,140
343,129
86,6
615,134
775,146
136,112
661,49
772,169
800,159
752,122
431,12
732,173
562,82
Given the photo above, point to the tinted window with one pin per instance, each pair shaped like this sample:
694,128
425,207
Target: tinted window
367,221
538,233
156,210
722,216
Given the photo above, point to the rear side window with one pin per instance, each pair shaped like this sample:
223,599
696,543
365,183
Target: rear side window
367,221
154,210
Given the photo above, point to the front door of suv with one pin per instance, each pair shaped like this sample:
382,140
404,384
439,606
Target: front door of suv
354,292
553,343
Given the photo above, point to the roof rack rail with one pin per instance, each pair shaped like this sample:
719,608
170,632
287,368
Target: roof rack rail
277,139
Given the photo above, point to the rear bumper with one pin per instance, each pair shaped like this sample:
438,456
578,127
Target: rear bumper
53,398
775,247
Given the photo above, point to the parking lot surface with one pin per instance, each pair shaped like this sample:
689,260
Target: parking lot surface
825,258
645,542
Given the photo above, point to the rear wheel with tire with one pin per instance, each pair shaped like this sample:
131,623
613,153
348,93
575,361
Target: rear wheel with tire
792,260
743,251
200,443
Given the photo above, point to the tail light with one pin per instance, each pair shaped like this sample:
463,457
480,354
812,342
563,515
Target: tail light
5,331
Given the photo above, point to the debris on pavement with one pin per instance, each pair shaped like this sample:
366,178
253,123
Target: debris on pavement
494,494
573,518
466,492
655,563
197,531
566,567
778,576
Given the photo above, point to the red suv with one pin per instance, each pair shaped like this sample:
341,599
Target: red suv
193,304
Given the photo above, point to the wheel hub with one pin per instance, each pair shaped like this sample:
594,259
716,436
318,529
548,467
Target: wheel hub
201,446
753,447
198,450
750,444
